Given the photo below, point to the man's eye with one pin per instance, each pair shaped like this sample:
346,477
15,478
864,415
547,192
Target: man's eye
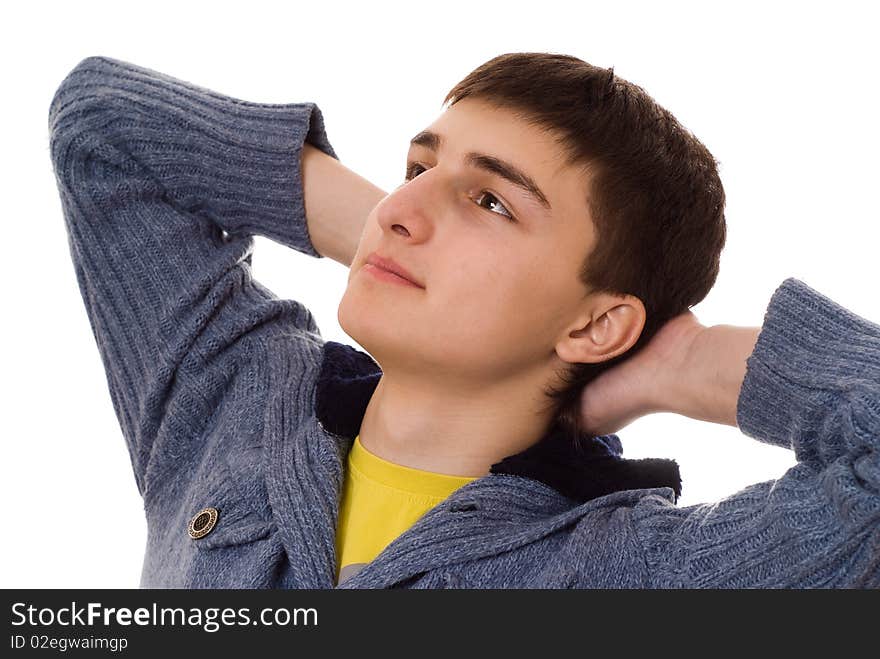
497,203
411,173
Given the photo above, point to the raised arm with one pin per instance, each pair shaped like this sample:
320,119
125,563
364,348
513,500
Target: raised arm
162,184
338,202
811,384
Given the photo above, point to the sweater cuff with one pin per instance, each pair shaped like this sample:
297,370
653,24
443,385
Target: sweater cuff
809,354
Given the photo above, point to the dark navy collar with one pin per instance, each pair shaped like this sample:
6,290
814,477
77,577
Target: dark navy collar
581,468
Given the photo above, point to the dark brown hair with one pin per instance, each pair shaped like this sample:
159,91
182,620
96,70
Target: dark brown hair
656,198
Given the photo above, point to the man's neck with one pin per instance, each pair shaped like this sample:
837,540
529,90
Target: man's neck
450,430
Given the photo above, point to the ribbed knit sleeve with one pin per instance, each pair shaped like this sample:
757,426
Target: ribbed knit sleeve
162,186
812,384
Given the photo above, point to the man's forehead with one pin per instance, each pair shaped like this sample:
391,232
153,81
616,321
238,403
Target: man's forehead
476,124
482,118
480,130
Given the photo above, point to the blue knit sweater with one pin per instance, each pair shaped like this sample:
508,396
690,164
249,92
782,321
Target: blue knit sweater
228,397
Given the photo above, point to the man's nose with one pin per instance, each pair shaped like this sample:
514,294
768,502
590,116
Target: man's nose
413,207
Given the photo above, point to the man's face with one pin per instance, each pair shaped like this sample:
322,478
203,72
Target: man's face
499,293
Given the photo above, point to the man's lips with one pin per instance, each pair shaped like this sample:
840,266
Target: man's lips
382,264
384,275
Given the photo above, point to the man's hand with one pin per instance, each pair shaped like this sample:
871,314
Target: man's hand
686,368
640,385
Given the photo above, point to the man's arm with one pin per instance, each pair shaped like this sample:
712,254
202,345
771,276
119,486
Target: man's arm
337,202
709,385
162,184
811,384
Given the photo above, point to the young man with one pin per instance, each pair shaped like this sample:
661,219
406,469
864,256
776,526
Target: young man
269,458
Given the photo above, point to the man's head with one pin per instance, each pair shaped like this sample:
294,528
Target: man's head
556,217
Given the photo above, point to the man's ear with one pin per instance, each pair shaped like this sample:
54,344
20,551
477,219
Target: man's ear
610,327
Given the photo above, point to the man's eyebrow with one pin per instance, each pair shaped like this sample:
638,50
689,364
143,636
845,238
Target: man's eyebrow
509,172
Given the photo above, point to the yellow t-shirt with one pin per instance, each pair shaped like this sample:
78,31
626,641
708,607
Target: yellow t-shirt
381,500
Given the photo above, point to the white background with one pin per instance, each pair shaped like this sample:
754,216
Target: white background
783,94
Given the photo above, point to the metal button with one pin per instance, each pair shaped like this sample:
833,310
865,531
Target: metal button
202,523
